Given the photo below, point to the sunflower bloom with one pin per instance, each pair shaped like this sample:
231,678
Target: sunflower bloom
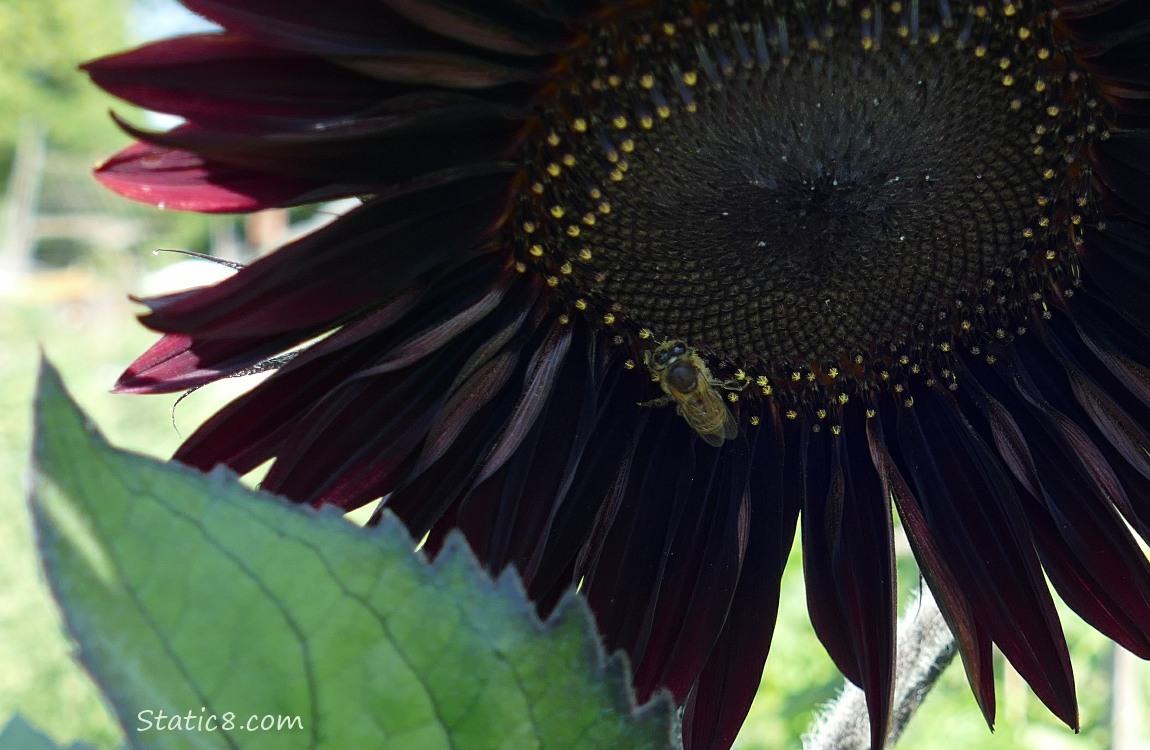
637,284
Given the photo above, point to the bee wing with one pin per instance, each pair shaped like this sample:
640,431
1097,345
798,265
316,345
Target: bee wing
705,411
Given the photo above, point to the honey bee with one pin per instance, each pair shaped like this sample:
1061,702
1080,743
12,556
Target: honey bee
687,382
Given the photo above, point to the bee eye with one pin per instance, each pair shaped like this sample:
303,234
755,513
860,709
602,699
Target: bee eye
679,349
661,358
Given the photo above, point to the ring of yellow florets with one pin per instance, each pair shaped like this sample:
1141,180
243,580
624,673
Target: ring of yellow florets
631,82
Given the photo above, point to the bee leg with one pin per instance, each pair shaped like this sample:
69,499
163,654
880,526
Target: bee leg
656,402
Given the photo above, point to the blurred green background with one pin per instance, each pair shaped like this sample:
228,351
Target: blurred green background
69,256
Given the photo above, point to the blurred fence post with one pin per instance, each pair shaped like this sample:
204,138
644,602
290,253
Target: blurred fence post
1127,705
21,197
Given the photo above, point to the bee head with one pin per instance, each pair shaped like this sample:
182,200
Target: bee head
667,353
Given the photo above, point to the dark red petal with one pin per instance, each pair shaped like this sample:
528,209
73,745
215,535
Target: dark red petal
662,580
498,25
1082,541
976,520
1122,168
1118,264
848,562
539,380
352,264
182,181
421,136
252,428
570,456
177,362
365,35
701,569
1097,25
219,79
974,642
719,702
521,467
362,439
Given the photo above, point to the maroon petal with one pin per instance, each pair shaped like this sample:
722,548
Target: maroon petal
1082,541
362,260
183,181
1122,164
848,562
539,380
431,135
177,362
675,530
719,702
365,35
975,518
974,642
225,81
498,25
326,407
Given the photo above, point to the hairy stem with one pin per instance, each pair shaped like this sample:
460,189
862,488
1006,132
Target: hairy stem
925,648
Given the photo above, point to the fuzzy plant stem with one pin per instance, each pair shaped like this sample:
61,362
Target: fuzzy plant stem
925,648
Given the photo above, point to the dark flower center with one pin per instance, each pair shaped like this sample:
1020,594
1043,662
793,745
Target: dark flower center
807,196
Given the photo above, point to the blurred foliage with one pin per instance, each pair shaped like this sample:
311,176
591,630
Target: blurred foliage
41,43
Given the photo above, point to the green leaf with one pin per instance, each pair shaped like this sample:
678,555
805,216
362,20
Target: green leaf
20,735
193,596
